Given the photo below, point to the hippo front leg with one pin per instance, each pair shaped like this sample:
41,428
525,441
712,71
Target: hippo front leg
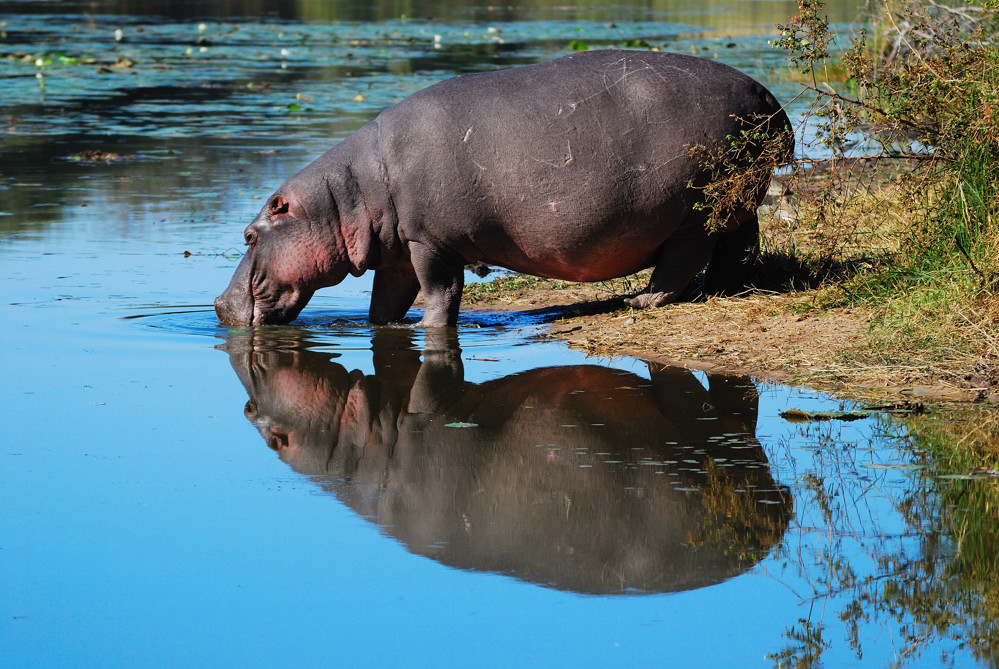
442,280
393,292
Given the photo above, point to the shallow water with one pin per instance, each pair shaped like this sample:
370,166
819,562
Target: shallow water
177,493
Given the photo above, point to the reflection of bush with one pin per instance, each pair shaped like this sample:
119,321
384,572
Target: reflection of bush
933,586
732,519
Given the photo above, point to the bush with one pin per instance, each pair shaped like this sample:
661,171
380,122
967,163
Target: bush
918,111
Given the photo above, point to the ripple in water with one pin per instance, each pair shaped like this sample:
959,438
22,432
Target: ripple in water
344,326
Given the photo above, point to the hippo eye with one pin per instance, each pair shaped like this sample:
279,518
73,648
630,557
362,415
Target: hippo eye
250,236
279,206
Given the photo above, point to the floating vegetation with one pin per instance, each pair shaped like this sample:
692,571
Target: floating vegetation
896,408
97,156
351,69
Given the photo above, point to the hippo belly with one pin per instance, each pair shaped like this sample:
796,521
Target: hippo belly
576,254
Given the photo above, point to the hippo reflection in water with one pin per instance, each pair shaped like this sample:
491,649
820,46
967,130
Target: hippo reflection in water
582,478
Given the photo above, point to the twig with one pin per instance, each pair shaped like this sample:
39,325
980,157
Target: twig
876,156
876,110
960,11
967,256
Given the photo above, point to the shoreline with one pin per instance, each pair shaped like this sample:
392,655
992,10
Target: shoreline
774,337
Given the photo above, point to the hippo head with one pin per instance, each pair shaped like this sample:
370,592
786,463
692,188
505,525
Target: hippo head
295,247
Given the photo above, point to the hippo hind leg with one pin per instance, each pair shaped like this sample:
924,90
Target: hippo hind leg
680,259
728,255
731,263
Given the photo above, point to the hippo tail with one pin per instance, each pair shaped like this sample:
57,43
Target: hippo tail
782,126
768,145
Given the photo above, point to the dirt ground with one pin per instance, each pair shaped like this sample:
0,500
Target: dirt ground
773,337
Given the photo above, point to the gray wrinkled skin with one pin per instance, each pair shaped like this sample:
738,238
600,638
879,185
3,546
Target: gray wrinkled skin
576,168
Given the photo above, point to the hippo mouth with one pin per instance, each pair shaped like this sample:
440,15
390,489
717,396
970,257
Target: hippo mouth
283,311
239,307
235,306
249,302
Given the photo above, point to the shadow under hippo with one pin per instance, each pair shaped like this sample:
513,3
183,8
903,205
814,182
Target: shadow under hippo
582,478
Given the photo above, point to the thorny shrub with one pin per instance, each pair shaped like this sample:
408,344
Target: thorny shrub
901,192
739,165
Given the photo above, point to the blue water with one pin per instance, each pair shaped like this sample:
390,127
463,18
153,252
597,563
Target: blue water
147,519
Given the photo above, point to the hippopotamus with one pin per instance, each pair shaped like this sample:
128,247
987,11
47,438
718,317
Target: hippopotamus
580,168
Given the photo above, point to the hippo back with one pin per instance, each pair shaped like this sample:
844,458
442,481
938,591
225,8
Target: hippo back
557,155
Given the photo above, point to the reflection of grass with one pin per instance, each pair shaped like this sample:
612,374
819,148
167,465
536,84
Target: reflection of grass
959,597
805,649
965,443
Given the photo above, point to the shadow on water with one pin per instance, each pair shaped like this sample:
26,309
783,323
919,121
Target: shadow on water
669,490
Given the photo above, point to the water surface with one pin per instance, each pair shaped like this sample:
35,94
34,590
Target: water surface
333,493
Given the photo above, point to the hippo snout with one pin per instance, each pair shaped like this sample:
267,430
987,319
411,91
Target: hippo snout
235,305
230,313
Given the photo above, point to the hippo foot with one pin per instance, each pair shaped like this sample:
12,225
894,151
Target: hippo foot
651,300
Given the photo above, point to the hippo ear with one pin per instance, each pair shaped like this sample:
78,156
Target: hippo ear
278,206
